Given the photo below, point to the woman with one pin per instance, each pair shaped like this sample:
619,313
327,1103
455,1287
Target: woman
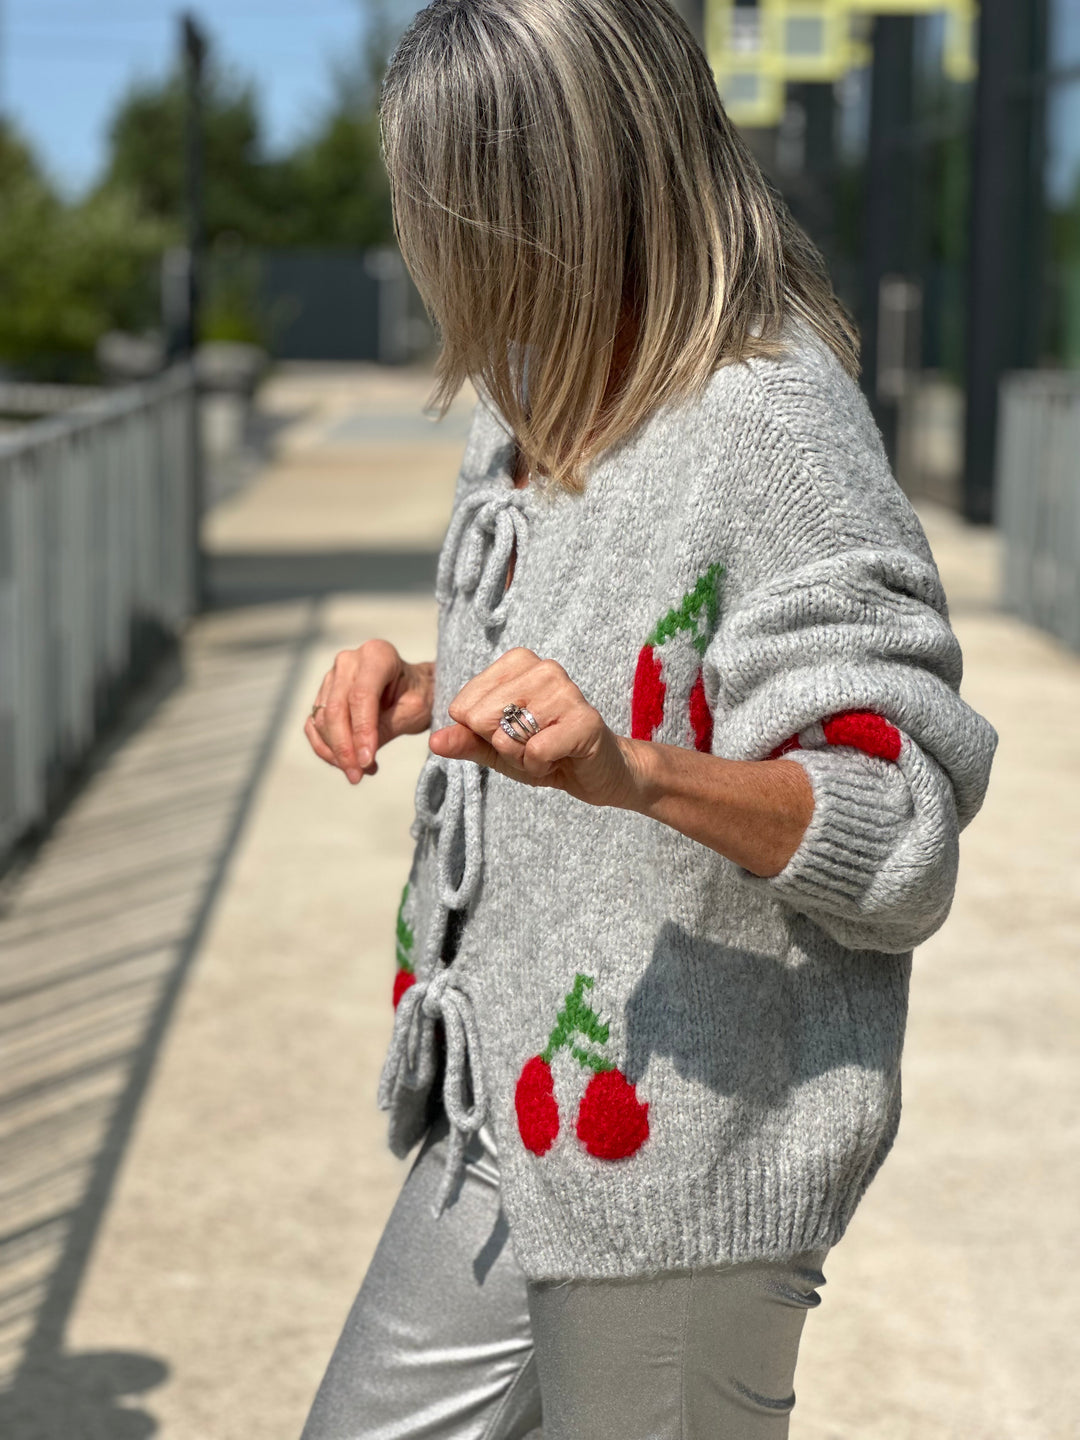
697,768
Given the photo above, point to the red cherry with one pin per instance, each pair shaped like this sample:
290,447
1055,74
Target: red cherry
647,706
700,715
612,1122
864,730
402,980
534,1101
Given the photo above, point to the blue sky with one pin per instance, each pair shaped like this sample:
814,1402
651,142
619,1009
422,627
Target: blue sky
64,64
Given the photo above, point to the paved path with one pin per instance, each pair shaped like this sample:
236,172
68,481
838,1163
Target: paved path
194,1000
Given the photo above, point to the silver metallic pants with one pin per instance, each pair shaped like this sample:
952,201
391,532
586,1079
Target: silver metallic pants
447,1340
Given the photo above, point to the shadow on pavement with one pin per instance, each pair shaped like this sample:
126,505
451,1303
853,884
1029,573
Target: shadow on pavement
81,1397
254,578
97,938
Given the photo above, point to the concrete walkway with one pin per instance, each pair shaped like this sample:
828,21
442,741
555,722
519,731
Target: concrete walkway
196,996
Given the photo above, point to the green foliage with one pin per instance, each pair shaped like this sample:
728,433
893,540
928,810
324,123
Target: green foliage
342,196
331,190
231,308
1061,341
17,164
68,272
336,186
147,148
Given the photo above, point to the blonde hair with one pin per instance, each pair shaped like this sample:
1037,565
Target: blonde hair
561,168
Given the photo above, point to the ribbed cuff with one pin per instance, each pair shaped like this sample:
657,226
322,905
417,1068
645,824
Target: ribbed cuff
862,805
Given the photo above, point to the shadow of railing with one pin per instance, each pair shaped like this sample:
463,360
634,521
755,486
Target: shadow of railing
97,938
252,578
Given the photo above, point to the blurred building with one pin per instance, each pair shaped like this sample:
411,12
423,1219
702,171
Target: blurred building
932,149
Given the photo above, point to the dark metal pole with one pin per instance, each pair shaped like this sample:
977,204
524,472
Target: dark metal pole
1003,299
193,45
819,103
889,195
194,52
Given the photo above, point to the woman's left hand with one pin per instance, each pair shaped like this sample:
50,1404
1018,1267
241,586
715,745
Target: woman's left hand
573,751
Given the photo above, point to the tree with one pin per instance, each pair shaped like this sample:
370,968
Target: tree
334,187
17,164
333,190
146,159
70,272
67,273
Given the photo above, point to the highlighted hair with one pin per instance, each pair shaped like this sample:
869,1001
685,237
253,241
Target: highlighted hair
564,178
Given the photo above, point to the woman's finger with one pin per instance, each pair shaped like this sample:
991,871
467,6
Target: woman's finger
540,686
323,751
318,744
458,742
311,727
572,738
504,678
354,672
335,727
374,672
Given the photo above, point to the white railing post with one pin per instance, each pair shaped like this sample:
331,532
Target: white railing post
96,575
1037,506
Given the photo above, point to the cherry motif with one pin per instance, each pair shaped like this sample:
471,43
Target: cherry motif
612,1122
863,730
695,616
537,1111
402,980
701,716
404,948
866,730
647,708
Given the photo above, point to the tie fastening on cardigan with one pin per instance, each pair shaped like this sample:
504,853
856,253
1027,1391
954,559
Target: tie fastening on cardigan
448,802
411,1062
456,814
484,533
477,550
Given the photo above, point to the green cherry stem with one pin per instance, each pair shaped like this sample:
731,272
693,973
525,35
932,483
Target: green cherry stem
577,1018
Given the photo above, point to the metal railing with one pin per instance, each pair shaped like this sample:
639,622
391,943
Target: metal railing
1037,507
96,577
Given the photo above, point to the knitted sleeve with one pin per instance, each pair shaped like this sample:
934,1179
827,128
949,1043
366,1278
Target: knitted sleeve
849,667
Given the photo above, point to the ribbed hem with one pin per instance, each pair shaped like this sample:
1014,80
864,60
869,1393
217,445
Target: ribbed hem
861,806
765,1207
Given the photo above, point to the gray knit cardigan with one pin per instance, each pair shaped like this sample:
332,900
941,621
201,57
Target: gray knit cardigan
684,1063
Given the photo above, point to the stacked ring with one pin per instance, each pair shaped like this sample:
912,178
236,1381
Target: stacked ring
525,720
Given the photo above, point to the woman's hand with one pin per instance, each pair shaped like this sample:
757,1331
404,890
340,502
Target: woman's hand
574,750
367,697
753,811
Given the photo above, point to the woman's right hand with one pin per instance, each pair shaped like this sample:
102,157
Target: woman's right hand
367,697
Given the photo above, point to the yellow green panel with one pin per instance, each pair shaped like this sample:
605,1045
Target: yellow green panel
755,51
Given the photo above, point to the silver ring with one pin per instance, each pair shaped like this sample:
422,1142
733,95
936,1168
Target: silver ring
528,719
525,720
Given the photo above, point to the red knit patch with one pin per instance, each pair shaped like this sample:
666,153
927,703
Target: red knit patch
791,743
534,1101
402,980
647,707
612,1122
865,731
700,716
